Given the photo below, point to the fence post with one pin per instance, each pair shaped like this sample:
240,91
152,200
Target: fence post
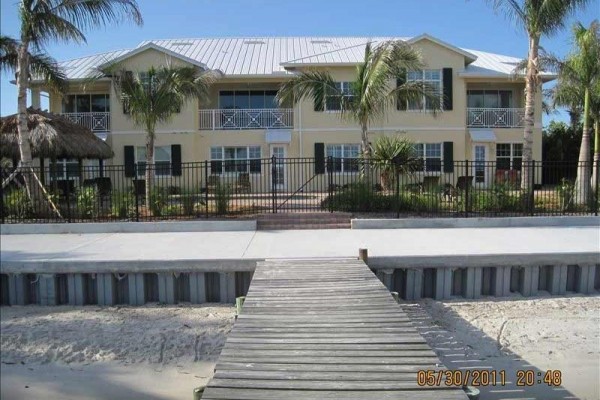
135,193
532,190
1,198
467,187
595,168
330,182
206,187
397,191
273,191
67,194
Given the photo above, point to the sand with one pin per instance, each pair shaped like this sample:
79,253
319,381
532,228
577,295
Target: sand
151,352
163,352
558,333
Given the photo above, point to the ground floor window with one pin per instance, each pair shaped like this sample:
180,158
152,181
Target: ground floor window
509,156
64,169
245,159
162,160
344,156
430,155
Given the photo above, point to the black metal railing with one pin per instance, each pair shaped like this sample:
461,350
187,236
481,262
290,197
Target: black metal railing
231,188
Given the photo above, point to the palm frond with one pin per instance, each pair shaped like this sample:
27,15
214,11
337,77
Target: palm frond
315,84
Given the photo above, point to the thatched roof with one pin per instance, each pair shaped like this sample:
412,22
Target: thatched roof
52,136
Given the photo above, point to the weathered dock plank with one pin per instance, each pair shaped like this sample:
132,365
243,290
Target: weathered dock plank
322,329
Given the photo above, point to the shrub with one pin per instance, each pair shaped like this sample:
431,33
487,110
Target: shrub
87,201
158,201
566,191
222,197
499,198
123,204
17,204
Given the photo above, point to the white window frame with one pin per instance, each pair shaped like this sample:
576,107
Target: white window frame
440,80
423,155
223,160
63,163
346,92
106,95
347,149
157,172
512,154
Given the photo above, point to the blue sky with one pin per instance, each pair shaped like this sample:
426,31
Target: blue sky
464,23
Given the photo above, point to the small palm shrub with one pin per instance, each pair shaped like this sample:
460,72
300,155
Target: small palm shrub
222,198
392,155
87,201
566,192
159,199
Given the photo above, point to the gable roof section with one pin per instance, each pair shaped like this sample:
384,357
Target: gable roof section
269,56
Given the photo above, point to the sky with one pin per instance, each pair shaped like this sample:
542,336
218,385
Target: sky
471,24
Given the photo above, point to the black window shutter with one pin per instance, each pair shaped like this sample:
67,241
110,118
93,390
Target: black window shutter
447,83
129,156
176,160
401,80
319,158
448,156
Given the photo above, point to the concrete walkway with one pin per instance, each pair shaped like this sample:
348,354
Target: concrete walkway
249,245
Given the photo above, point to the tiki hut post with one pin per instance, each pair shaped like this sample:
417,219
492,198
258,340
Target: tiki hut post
80,171
53,170
42,172
101,168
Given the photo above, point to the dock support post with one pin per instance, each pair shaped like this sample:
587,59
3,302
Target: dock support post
443,282
473,283
385,276
363,255
136,289
166,288
559,279
227,287
502,282
47,284
414,284
197,288
585,280
105,287
529,280
17,291
75,288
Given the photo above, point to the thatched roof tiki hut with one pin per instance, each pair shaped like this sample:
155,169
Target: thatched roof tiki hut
54,137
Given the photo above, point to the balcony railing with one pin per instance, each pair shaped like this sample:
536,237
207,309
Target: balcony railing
495,117
268,118
95,121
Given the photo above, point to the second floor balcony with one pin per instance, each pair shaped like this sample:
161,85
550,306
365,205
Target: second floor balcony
238,119
95,121
495,117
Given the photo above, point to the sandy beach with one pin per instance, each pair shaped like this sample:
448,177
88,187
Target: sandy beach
163,352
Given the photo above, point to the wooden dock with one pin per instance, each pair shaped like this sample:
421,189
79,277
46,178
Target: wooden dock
322,329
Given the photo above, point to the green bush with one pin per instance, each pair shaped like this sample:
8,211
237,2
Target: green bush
87,201
158,201
499,198
566,192
123,204
222,198
17,204
188,203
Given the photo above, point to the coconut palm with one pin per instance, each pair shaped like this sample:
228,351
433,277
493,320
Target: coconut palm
153,97
538,18
579,75
372,93
43,21
392,155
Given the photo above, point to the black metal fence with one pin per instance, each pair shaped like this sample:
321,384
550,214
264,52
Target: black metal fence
233,188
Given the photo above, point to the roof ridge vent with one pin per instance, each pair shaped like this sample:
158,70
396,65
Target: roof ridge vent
320,41
181,43
254,42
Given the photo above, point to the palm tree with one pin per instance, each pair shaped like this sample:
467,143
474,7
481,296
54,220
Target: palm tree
579,75
371,94
393,155
43,21
538,18
154,96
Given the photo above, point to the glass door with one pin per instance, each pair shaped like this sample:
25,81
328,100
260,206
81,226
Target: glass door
479,163
279,178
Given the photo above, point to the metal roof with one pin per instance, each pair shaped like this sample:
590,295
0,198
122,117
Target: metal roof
268,56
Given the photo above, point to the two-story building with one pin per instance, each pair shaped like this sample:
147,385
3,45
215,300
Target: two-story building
482,119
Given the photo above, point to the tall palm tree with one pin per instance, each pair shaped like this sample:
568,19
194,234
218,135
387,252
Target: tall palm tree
579,75
538,18
153,97
43,21
372,93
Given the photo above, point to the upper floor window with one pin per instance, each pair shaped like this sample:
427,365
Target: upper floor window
431,156
85,103
344,157
247,99
334,102
433,79
489,99
509,156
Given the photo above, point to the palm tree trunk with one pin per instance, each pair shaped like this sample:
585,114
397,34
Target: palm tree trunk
582,184
366,148
530,89
596,154
22,128
149,166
